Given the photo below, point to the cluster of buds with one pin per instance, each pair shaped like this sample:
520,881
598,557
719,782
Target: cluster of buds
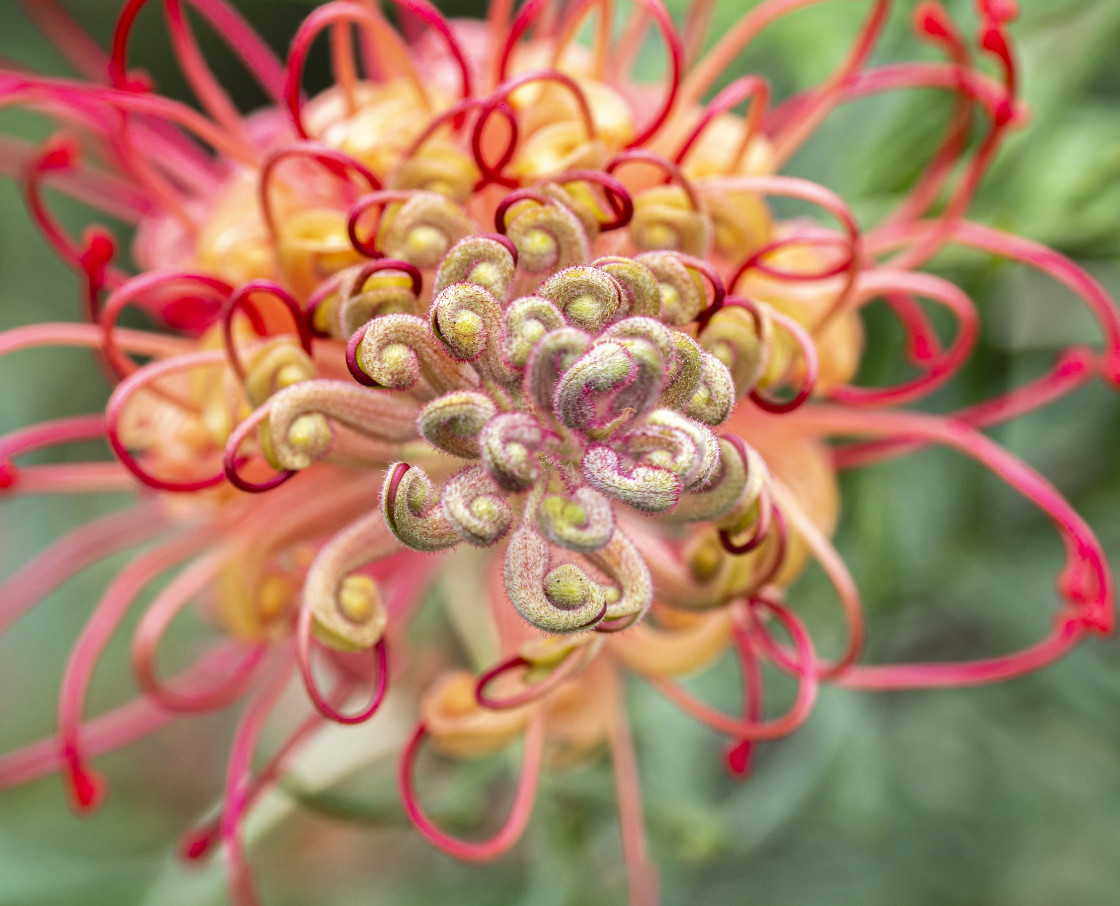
494,291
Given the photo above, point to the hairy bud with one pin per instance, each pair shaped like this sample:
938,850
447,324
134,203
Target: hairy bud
582,521
564,599
411,509
587,296
453,421
475,507
480,260
422,229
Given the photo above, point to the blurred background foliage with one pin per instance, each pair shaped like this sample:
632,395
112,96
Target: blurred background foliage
1002,795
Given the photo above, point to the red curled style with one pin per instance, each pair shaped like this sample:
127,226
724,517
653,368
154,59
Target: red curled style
808,355
356,371
137,382
672,172
751,88
231,461
515,197
342,11
573,18
518,819
618,198
244,297
380,199
333,160
132,291
499,102
379,658
455,115
715,282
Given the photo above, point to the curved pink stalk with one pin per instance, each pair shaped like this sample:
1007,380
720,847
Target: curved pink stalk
239,783
231,461
825,99
674,52
340,11
497,102
618,199
75,551
111,730
89,336
1016,248
757,729
668,167
515,823
378,655
753,88
157,618
80,50
379,199
530,692
337,162
198,842
809,358
1085,583
640,870
1074,369
838,575
740,756
132,291
242,297
85,786
136,383
937,369
69,478
720,58
819,196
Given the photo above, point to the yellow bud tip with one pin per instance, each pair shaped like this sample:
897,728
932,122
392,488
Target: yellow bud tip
309,432
358,598
273,598
705,561
423,240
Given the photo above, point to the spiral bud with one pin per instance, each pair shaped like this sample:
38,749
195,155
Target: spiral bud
567,196
685,372
563,599
620,560
548,237
665,219
411,509
385,292
745,513
582,521
480,260
278,364
527,320
721,495
468,321
670,441
453,421
587,296
422,229
715,397
649,489
682,290
299,430
551,357
475,507
347,611
398,350
740,342
641,293
605,367
508,445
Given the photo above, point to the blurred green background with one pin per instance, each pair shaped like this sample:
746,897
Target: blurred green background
1003,795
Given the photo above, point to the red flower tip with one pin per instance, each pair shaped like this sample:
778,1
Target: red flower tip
740,758
60,152
931,20
87,787
196,845
8,474
998,10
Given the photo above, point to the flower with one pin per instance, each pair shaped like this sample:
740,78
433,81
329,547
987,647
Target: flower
490,292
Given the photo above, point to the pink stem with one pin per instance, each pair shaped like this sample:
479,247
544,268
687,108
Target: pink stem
514,826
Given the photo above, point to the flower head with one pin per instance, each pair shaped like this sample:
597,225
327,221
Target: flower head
490,291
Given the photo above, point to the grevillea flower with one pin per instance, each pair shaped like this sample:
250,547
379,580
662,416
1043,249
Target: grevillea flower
489,292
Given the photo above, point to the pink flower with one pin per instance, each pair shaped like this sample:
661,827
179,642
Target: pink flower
489,292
